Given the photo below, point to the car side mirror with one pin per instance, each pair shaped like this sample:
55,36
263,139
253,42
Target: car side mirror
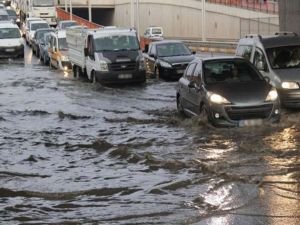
152,56
86,52
194,52
267,79
192,84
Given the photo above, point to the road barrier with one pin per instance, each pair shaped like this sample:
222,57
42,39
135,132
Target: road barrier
63,15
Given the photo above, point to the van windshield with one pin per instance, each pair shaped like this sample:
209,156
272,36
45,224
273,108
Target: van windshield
116,43
36,26
42,3
6,33
284,57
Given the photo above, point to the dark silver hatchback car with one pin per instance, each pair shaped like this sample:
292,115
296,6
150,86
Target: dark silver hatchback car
228,91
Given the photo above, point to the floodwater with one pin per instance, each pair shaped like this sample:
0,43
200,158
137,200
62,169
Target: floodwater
76,153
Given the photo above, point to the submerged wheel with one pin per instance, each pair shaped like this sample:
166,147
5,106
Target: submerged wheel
93,77
179,106
203,114
75,74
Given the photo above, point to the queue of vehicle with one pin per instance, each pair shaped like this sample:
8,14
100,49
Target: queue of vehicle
247,89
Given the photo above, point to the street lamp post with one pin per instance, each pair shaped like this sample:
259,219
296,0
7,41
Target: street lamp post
90,10
71,10
132,13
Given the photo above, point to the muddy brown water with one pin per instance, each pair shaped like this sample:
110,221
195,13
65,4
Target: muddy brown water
76,153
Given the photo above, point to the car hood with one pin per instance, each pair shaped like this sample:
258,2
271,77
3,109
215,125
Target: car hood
178,59
242,93
292,74
11,42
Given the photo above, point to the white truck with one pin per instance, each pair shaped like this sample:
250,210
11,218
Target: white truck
44,9
107,56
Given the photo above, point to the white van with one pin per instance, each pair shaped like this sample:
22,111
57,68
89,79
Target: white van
32,27
11,42
277,57
154,33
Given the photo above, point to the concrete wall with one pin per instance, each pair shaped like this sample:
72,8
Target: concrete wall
183,19
289,11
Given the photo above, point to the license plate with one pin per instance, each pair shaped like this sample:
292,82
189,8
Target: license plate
247,123
180,71
9,50
125,76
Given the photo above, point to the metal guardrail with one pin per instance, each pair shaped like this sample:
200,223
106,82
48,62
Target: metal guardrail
212,46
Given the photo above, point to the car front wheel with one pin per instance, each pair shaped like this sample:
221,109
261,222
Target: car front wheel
179,106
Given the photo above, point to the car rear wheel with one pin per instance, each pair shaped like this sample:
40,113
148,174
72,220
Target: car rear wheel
203,114
93,77
156,72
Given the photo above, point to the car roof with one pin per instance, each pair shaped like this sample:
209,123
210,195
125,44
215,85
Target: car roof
110,31
38,21
207,59
33,18
67,21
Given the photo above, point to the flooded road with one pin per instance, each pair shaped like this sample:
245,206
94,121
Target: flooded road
76,153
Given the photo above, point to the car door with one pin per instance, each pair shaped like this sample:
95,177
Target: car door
186,94
195,89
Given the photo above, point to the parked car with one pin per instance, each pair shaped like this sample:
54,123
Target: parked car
58,51
33,26
64,24
37,39
227,91
278,58
44,45
167,59
11,42
12,16
154,33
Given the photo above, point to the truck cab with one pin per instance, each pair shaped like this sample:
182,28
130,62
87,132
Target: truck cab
58,51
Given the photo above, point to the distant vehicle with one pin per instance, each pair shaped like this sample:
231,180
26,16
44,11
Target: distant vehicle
154,33
44,46
44,9
227,91
58,51
11,42
167,59
12,15
33,26
278,58
35,42
108,56
6,2
3,15
25,24
63,24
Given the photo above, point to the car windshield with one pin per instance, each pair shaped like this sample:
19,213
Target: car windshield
68,24
40,33
284,57
229,71
172,49
11,12
156,31
9,33
62,44
36,26
42,3
116,43
4,17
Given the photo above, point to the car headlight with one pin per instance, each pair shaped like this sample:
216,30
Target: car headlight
165,64
273,95
289,85
218,99
103,66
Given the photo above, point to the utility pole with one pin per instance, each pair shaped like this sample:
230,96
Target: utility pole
132,13
90,10
137,17
71,10
203,20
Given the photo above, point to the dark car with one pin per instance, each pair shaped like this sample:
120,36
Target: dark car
38,36
167,59
44,45
227,91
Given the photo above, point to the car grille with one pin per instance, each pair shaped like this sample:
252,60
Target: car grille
249,112
124,66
